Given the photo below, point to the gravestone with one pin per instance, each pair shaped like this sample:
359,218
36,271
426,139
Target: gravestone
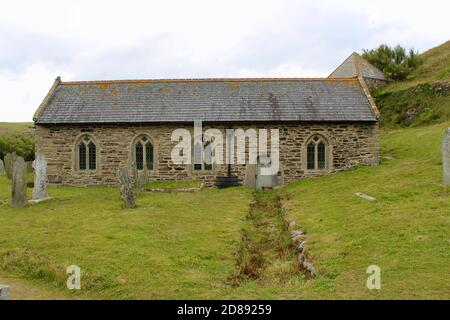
2,166
264,181
19,184
4,292
126,188
250,175
40,178
446,157
10,159
279,178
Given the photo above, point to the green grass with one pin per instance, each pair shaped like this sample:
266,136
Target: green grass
266,247
169,247
406,231
170,185
424,97
187,245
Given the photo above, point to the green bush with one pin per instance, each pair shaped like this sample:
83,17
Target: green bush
428,115
22,145
395,62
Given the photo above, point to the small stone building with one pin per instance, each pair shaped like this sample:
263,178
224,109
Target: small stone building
357,66
88,130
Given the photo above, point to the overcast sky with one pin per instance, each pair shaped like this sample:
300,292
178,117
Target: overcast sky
92,40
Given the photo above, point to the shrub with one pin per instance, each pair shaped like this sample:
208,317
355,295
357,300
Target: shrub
22,145
395,62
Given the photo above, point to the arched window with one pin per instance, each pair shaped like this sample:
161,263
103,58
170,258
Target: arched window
316,153
208,155
86,151
203,157
143,153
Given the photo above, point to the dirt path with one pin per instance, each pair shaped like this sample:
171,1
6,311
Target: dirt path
21,289
267,250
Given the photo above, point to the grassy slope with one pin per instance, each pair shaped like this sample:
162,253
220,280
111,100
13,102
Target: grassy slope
406,231
185,246
435,67
423,98
13,129
169,247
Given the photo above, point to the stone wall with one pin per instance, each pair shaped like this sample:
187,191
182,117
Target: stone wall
350,144
375,83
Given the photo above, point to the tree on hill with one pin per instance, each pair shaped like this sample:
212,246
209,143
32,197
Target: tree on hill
395,62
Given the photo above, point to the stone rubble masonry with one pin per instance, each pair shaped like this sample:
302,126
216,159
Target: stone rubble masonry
351,144
375,83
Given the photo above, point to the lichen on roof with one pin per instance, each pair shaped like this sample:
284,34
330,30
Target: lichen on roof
186,100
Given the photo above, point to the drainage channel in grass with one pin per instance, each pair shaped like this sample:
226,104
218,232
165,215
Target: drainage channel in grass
266,250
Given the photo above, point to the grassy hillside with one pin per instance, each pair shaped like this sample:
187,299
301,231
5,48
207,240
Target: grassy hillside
424,97
187,245
406,231
15,129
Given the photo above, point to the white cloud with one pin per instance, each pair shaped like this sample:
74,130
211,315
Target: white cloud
22,93
87,40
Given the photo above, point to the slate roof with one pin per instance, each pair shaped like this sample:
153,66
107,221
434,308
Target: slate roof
209,100
355,65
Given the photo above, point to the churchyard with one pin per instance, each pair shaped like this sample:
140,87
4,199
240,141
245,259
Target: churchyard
189,245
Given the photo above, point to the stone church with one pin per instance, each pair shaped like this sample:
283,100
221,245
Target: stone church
87,130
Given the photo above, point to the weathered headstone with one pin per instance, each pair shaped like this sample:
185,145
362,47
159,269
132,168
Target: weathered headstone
10,159
279,178
250,175
40,178
264,180
126,188
4,292
19,184
2,166
446,157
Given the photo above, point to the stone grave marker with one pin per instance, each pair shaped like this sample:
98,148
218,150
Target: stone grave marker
10,159
126,188
446,157
40,178
250,175
19,184
4,292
